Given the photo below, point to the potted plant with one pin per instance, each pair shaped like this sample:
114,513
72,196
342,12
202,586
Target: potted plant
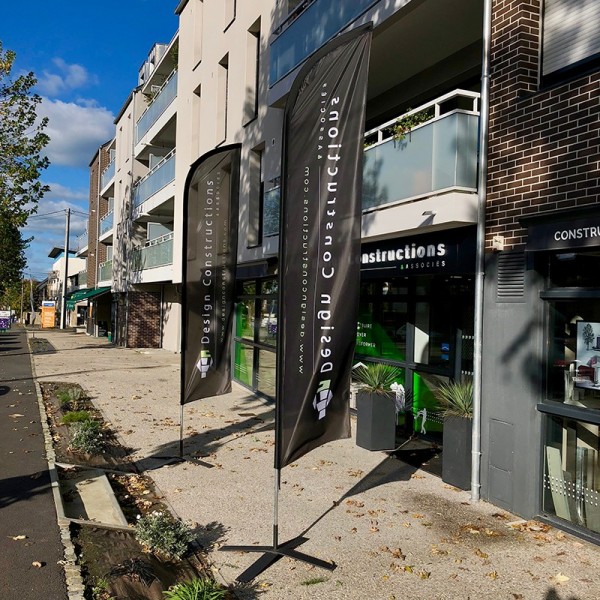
456,405
376,409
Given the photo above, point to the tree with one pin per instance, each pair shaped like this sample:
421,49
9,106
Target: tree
12,254
22,141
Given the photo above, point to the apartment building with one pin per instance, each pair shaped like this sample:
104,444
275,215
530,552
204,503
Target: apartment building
224,78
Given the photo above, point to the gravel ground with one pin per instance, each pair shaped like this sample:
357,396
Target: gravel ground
393,531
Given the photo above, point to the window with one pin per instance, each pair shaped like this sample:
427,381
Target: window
255,337
573,339
229,12
571,487
255,197
196,113
252,71
222,99
570,37
198,19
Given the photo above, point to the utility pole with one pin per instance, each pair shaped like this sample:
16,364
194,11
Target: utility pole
63,307
22,286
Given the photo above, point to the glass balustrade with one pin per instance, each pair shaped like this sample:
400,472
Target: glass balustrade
106,222
157,253
105,271
157,107
438,155
162,174
107,175
309,31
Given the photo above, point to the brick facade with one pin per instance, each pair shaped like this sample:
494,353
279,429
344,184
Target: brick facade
544,144
143,326
98,207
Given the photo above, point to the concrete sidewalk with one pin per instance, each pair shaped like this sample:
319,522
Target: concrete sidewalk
394,531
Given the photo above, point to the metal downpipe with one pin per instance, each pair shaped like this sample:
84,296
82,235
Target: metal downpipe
480,252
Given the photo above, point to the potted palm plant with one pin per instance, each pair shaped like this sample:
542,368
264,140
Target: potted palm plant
377,412
456,405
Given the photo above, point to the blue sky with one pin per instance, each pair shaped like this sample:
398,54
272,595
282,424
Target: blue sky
86,57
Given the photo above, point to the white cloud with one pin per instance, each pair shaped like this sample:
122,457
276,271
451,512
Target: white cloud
68,77
76,131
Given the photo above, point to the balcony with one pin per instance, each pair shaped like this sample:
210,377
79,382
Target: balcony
105,271
436,156
82,278
305,31
106,223
157,179
81,244
156,253
107,175
162,100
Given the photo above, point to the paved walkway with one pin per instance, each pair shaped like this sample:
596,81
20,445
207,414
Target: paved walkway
30,544
394,531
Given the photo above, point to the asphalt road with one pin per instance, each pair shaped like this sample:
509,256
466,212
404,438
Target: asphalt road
29,565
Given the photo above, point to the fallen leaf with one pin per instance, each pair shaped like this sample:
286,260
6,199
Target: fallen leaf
424,574
560,578
19,537
415,476
481,554
492,575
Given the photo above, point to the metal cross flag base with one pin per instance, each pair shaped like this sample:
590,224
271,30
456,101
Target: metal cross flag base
272,554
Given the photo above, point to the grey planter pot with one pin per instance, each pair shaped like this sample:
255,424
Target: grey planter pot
375,422
456,457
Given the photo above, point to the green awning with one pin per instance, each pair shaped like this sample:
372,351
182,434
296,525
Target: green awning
80,295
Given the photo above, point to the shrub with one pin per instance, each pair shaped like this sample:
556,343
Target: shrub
86,436
197,589
69,396
76,416
163,534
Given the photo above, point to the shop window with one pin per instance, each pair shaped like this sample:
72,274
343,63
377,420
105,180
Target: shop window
267,333
265,380
571,485
573,368
243,364
255,342
245,319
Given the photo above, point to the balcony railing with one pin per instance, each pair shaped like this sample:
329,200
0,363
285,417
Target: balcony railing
81,241
310,29
160,102
271,201
156,253
438,155
107,174
160,176
105,271
106,222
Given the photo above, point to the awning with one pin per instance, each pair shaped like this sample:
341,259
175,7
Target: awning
80,295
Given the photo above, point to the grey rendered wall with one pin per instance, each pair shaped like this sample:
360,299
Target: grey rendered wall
511,388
